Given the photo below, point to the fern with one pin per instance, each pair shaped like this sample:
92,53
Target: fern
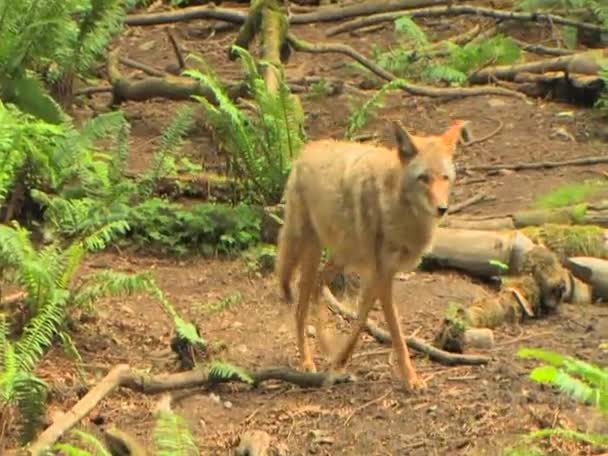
221,372
51,38
405,27
172,436
170,142
260,147
359,117
583,381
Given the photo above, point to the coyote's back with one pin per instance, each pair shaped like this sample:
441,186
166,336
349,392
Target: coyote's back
373,208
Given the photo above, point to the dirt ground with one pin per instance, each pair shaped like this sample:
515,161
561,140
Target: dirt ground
467,410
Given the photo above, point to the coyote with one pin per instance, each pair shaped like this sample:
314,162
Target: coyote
375,209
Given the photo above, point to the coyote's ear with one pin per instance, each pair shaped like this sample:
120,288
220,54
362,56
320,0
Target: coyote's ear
451,136
405,145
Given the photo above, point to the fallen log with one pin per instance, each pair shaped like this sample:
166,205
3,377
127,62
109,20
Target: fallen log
459,10
593,271
587,63
169,87
479,253
580,214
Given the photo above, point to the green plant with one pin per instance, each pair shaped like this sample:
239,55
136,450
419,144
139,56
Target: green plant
54,39
260,146
46,275
227,302
206,228
220,371
171,436
360,116
586,10
417,58
583,381
570,194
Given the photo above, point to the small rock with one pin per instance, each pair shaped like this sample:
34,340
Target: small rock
311,331
237,324
214,397
228,404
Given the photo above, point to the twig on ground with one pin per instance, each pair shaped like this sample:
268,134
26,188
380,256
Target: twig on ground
367,404
123,376
142,66
441,356
339,48
493,133
92,90
540,165
179,55
457,10
540,49
480,197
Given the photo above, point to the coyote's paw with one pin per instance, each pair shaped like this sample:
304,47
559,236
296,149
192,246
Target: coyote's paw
416,384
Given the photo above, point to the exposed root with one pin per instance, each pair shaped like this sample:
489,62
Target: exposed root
441,356
540,165
413,89
458,10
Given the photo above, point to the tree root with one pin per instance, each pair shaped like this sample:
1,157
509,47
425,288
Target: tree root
123,376
458,10
238,17
303,46
441,356
587,63
540,165
169,87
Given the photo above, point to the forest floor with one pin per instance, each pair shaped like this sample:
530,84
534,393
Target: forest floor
466,410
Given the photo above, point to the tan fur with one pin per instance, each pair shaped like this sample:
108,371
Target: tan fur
375,209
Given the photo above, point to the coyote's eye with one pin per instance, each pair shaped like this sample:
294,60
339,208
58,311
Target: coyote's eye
445,177
424,178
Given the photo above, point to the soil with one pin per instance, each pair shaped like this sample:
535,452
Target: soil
466,410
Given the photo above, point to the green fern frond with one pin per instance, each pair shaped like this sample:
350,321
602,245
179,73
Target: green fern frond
262,146
170,142
92,442
444,73
172,436
221,372
599,440
359,117
581,380
406,27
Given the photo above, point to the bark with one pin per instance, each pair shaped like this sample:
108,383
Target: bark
457,10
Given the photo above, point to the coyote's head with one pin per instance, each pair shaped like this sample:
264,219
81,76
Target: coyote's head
428,169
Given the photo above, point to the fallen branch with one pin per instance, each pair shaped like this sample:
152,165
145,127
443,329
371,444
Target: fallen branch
413,89
123,376
169,87
142,66
238,17
493,133
441,356
540,49
588,63
480,197
458,10
540,165
179,55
